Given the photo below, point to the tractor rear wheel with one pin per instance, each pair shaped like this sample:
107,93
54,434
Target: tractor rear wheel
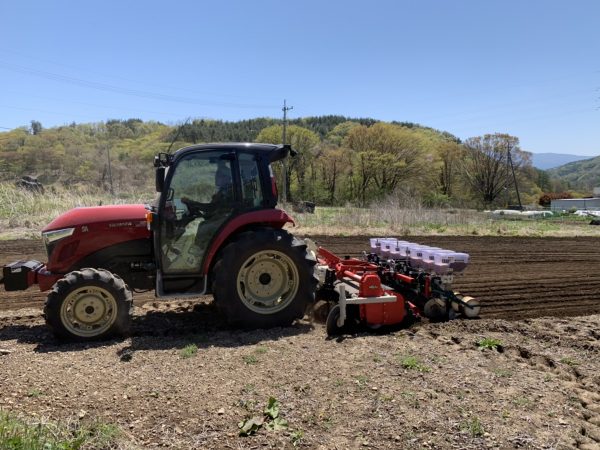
89,304
265,278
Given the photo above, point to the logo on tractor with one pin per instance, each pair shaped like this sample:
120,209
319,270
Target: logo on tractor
120,224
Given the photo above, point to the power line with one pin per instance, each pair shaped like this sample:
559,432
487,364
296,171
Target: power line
118,77
45,111
121,90
62,100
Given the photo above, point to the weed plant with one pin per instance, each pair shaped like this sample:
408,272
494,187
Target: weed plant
22,434
489,344
188,351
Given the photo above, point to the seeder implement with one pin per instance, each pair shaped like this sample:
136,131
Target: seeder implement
397,282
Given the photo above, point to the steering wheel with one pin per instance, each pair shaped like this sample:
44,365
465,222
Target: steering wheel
195,209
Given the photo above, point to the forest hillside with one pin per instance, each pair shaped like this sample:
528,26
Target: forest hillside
340,160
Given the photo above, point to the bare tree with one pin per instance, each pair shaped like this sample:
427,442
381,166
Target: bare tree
486,164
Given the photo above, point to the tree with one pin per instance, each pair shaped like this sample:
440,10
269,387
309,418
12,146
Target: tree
486,166
303,141
339,132
36,127
333,162
543,180
450,153
387,156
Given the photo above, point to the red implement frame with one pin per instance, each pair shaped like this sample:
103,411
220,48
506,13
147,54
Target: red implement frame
378,305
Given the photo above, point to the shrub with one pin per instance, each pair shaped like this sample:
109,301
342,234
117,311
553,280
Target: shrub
546,199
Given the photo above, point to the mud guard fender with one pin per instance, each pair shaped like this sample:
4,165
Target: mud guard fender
275,218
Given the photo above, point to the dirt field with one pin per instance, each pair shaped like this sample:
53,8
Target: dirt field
539,389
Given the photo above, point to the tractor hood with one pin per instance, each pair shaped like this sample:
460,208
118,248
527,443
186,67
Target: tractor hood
114,216
75,237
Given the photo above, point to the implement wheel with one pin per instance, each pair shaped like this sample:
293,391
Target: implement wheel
264,279
333,329
89,304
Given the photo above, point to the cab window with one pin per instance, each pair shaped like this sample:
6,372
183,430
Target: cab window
200,198
249,175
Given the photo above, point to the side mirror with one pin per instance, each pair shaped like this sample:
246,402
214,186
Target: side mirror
160,179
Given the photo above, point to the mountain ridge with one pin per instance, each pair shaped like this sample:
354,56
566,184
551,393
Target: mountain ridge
545,161
584,174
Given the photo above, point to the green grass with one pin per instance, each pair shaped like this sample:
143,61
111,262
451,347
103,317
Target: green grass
503,373
473,426
362,380
17,433
188,351
413,363
569,361
296,437
250,360
34,393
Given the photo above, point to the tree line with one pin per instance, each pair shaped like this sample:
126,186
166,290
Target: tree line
339,161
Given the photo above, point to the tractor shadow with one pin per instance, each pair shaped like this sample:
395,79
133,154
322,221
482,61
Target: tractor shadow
157,329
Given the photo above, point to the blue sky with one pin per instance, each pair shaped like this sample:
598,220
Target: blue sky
528,68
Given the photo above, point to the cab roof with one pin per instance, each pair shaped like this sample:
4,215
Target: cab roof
271,151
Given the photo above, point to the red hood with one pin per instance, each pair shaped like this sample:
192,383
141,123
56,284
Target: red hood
97,214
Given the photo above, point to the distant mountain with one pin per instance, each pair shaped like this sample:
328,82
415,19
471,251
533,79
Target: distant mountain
547,161
579,174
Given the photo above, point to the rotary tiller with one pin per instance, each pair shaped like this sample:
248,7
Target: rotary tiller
396,282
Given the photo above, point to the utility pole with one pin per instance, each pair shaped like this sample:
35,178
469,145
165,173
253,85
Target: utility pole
285,109
515,180
507,178
110,179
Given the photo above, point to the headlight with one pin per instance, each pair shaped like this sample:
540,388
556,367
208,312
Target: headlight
53,236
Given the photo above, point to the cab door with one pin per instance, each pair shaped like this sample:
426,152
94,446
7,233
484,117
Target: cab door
199,196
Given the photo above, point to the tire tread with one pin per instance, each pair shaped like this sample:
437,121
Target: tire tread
65,285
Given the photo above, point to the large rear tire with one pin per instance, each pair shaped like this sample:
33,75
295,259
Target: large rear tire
89,304
264,278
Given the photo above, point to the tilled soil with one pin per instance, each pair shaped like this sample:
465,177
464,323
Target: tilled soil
539,389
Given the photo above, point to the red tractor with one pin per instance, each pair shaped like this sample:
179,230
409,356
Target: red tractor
214,229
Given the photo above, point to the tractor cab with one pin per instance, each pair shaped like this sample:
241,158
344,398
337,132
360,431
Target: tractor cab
202,190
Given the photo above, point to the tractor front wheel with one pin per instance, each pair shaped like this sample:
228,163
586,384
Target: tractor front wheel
264,279
89,304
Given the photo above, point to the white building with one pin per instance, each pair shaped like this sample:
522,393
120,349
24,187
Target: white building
567,204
